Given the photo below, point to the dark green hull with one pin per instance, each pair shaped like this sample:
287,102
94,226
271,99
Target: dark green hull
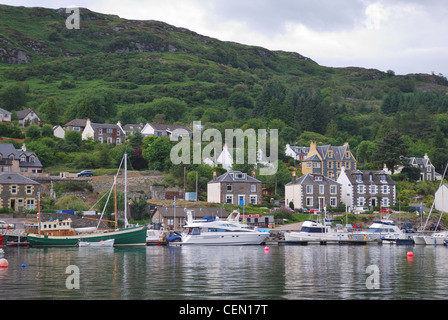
123,237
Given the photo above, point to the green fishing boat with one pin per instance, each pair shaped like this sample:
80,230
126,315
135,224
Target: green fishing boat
123,237
56,234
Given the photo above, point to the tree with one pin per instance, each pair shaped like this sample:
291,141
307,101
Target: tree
158,153
73,137
392,151
13,97
33,131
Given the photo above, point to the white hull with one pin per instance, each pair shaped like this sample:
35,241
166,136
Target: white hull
434,240
316,237
223,239
420,240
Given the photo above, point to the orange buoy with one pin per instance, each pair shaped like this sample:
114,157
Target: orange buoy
3,263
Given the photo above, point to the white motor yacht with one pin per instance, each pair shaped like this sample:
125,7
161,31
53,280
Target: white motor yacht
211,231
378,231
437,238
316,232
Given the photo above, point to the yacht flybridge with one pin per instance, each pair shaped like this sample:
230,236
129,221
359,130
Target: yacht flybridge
211,231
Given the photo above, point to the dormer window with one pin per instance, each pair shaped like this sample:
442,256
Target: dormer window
318,178
371,177
358,177
383,177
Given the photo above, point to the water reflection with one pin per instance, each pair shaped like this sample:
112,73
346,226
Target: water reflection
246,272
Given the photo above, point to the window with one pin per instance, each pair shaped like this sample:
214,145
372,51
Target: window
100,130
361,201
385,189
330,154
110,130
253,188
316,164
309,202
13,189
321,189
253,199
32,159
229,198
118,140
333,189
100,139
229,187
159,133
22,159
385,202
361,189
308,165
318,178
333,202
309,189
29,189
76,129
373,189
20,203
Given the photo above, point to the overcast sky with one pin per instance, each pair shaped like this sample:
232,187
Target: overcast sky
406,36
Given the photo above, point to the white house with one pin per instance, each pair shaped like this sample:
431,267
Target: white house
166,130
441,198
58,131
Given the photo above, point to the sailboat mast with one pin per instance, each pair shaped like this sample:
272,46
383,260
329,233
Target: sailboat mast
125,189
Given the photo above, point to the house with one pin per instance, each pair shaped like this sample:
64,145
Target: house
18,192
175,217
166,130
5,116
313,191
367,188
297,153
132,128
234,187
27,117
58,131
18,161
441,198
328,160
75,125
427,169
102,132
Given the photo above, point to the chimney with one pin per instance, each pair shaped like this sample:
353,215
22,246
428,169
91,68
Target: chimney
426,156
24,147
293,177
214,175
253,174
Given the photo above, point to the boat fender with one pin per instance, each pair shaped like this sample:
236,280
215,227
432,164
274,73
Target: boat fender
3,263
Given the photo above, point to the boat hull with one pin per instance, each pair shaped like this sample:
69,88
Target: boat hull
305,236
123,237
224,239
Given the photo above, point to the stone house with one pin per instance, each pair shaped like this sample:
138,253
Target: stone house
18,161
328,160
102,132
75,125
18,192
234,187
313,191
427,169
367,188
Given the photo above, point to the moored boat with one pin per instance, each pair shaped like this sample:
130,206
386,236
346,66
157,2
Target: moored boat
210,231
313,231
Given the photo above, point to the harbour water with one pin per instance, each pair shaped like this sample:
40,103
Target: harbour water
223,273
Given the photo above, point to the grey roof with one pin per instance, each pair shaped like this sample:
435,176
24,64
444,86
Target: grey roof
76,123
198,212
133,127
4,111
23,113
300,150
310,178
338,151
233,176
366,174
169,127
16,178
6,149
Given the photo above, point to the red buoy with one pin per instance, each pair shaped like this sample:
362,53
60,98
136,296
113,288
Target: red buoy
3,263
410,254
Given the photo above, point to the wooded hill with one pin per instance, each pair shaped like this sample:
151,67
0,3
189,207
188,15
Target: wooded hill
143,71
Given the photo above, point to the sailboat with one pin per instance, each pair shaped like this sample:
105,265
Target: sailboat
127,236
436,238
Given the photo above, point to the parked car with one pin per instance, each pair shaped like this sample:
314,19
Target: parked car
386,210
85,173
4,225
303,210
414,209
314,211
359,210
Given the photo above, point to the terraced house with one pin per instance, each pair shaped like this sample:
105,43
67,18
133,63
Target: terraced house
367,188
18,192
328,160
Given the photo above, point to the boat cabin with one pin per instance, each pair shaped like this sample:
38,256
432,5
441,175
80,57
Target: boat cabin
56,227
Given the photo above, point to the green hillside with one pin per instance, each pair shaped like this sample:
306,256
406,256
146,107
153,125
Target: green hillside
141,71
